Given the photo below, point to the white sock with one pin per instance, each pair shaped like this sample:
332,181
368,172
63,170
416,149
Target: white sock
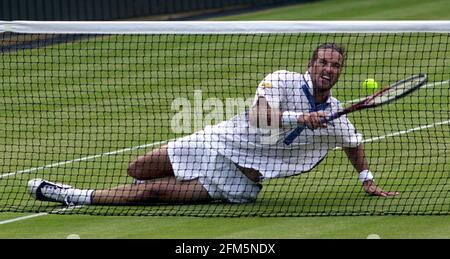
80,197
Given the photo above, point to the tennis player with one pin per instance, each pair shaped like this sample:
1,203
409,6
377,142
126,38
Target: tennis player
228,162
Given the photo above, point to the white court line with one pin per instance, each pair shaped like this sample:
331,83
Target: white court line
402,132
23,218
407,131
37,215
81,159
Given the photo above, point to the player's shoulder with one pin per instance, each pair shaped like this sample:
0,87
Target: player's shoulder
284,75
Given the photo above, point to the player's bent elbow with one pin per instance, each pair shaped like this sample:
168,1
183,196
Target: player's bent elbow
262,117
253,118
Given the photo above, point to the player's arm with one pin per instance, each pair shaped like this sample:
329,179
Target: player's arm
261,115
357,157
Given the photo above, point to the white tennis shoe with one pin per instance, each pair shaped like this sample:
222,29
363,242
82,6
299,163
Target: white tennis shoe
43,190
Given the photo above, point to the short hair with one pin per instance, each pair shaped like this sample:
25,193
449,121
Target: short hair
329,45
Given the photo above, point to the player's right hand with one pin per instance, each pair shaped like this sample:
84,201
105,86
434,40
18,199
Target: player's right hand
372,189
312,120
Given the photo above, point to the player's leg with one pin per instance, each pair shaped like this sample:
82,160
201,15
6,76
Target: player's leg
168,190
159,185
155,164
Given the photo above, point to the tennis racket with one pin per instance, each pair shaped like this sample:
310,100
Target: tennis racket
384,96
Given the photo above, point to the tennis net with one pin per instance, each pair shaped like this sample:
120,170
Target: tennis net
79,101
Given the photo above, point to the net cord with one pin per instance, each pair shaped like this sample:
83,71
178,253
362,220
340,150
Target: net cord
223,27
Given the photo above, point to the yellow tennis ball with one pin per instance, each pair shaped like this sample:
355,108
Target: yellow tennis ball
370,84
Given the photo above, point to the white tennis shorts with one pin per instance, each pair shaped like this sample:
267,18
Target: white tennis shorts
192,158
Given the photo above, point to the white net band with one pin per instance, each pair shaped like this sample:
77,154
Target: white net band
224,27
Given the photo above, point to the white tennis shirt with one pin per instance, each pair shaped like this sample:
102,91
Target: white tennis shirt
263,149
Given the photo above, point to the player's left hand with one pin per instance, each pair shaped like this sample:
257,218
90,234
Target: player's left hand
371,188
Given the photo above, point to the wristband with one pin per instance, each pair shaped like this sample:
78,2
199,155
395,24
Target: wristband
365,175
290,117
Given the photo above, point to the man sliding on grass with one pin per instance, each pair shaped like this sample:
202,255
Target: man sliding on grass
228,162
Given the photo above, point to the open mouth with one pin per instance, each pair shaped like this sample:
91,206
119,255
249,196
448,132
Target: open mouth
325,78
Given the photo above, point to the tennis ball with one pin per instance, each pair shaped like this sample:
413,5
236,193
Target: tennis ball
370,84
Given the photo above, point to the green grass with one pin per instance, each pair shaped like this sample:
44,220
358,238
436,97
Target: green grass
58,107
353,10
228,228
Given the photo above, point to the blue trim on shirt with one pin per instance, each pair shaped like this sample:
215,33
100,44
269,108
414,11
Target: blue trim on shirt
312,101
309,96
312,108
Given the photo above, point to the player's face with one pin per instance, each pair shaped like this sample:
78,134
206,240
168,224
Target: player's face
326,69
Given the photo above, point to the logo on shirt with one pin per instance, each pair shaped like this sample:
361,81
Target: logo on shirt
267,84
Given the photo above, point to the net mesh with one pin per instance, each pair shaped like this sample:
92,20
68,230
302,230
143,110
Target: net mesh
78,108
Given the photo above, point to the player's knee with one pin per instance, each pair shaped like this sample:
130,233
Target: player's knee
143,169
135,169
151,166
